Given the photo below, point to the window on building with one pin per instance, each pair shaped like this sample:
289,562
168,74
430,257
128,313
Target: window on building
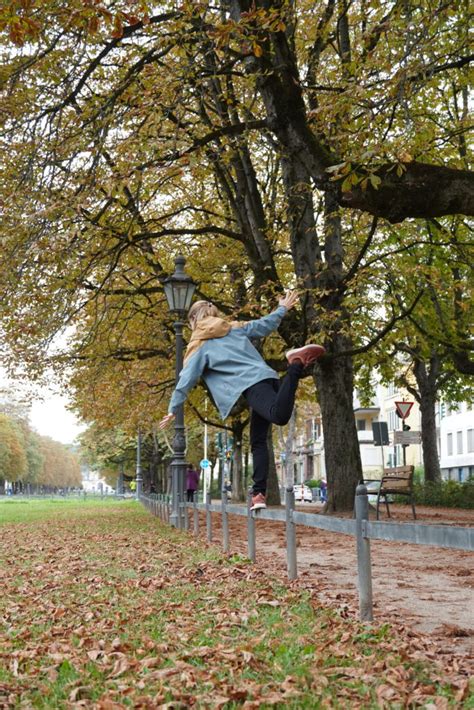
470,441
398,455
459,442
316,430
450,444
360,424
392,420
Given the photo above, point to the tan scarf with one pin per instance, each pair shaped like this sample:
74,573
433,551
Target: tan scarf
206,329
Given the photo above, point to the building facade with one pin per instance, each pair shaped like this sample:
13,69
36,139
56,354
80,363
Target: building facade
456,441
455,435
92,483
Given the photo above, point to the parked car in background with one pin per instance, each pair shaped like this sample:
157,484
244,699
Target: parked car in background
372,489
303,494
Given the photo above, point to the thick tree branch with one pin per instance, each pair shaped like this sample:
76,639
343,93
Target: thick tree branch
422,190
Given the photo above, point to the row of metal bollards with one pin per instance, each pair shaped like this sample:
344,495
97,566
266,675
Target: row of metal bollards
159,505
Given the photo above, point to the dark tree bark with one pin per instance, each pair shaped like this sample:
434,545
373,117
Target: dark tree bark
427,382
463,362
422,191
335,383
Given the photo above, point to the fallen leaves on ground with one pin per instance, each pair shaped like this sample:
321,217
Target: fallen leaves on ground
110,609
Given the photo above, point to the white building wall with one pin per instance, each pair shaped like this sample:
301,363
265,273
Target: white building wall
92,483
456,427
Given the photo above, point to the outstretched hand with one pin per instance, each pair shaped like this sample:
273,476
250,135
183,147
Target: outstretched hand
165,421
289,299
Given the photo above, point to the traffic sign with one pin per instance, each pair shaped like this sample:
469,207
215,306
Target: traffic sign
205,463
405,438
403,409
380,433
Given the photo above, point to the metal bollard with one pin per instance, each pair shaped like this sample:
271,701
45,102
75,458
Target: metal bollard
291,564
250,530
185,515
225,520
208,518
364,567
196,515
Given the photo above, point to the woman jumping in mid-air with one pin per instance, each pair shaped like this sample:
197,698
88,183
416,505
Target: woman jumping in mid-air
223,355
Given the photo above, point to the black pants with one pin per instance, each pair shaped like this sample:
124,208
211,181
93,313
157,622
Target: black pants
272,402
190,495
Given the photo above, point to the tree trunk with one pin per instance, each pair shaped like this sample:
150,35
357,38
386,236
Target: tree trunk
273,487
335,382
427,389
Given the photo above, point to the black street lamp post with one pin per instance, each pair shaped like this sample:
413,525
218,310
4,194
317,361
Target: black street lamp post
139,478
179,291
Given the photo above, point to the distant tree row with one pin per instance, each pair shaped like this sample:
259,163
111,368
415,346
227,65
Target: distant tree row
29,461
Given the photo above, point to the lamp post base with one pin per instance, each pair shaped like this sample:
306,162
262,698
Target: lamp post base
178,473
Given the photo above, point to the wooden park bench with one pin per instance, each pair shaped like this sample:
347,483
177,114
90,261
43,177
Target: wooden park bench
396,481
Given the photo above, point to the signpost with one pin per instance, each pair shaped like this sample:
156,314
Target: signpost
403,409
380,434
205,466
405,438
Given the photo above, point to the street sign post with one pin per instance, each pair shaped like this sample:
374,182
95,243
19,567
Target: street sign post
405,438
380,434
205,466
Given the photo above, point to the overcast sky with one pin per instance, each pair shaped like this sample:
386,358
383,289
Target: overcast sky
48,415
51,418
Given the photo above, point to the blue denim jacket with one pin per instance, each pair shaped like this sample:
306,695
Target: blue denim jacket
228,365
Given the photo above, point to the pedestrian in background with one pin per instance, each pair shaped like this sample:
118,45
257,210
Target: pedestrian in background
192,483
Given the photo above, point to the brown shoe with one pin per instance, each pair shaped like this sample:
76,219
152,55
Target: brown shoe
306,355
258,501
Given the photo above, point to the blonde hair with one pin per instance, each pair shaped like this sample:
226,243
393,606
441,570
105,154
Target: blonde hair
200,310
